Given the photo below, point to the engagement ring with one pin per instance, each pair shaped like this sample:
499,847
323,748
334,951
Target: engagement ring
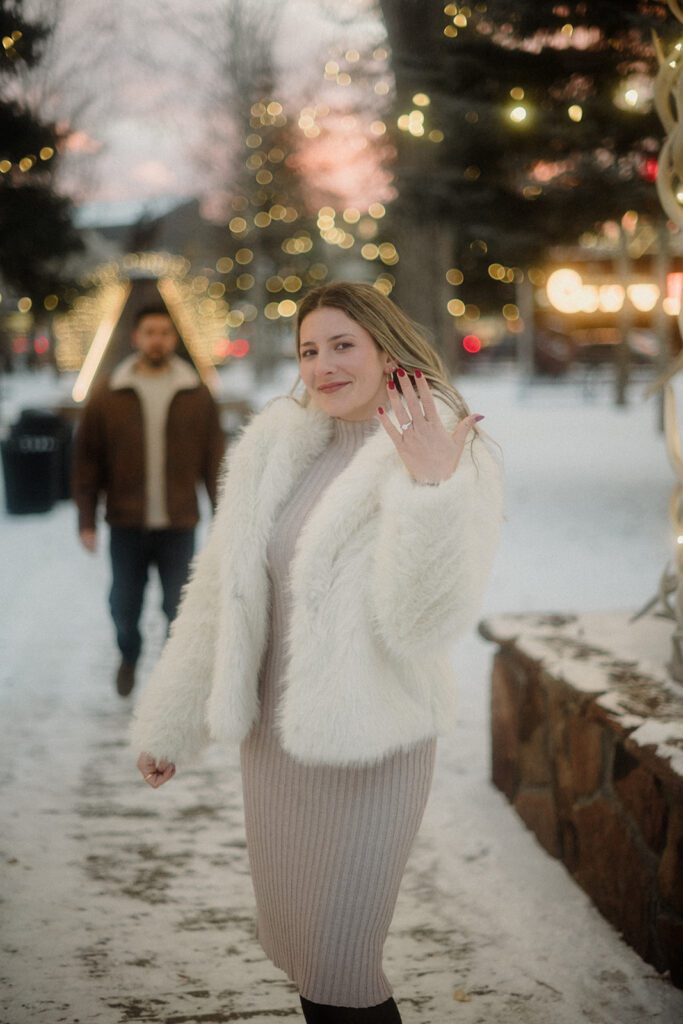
405,426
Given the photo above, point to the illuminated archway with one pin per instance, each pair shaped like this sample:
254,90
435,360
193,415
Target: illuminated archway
95,334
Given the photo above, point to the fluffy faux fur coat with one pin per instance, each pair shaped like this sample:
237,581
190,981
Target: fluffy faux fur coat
387,573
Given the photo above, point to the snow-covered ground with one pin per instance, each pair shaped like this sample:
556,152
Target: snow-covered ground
127,904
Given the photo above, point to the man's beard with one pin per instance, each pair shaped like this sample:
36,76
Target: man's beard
156,359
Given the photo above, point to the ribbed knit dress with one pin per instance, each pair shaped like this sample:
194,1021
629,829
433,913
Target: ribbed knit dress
327,844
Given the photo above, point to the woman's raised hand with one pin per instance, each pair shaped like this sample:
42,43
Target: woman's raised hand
430,452
155,773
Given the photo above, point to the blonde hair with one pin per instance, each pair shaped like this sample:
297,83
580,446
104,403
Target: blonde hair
392,331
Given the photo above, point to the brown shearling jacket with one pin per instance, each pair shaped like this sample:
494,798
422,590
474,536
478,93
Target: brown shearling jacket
109,455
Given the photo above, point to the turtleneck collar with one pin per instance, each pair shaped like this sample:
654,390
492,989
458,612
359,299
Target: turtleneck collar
353,432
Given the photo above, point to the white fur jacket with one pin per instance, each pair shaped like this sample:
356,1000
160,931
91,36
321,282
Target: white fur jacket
386,574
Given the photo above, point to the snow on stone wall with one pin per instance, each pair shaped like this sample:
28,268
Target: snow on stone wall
587,744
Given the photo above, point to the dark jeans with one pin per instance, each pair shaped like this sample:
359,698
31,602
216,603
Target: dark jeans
132,552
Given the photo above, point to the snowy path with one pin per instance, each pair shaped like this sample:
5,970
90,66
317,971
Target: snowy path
126,904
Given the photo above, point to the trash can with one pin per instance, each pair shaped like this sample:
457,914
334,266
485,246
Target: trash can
35,462
46,423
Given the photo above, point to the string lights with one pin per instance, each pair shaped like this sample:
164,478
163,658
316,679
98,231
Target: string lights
27,162
208,305
633,94
263,204
197,306
9,44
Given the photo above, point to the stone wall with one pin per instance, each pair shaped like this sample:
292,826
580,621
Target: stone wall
572,761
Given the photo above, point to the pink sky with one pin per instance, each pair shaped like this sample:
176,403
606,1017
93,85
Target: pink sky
141,132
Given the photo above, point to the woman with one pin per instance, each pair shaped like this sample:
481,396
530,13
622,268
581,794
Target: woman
350,547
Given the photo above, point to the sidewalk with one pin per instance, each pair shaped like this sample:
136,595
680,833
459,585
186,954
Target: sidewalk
126,904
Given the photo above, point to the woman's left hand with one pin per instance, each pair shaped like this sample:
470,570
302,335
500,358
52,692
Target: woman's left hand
155,773
430,452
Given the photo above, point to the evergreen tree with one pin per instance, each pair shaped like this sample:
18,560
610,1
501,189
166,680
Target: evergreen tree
287,227
35,226
586,153
547,125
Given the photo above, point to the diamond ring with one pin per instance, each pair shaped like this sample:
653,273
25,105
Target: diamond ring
405,426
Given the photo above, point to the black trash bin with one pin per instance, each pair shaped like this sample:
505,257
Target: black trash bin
46,423
35,460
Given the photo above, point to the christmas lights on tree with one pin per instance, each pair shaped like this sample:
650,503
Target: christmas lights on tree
36,222
548,129
305,185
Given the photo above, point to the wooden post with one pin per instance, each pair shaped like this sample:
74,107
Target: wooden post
622,355
662,320
524,295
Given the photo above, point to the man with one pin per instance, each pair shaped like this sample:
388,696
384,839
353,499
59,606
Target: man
149,433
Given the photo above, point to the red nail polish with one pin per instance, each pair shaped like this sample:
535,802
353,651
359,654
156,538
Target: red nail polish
401,372
418,373
391,385
380,410
478,417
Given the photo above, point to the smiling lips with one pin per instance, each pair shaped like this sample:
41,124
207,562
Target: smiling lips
333,387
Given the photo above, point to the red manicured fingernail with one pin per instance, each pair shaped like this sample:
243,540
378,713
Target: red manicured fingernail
380,410
401,372
478,417
391,385
418,373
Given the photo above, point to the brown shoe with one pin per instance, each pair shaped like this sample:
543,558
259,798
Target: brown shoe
125,678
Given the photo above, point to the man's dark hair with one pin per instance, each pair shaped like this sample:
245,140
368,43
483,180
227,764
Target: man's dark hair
151,311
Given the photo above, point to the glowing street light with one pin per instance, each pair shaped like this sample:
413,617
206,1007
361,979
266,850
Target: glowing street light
568,293
518,114
611,298
564,290
643,296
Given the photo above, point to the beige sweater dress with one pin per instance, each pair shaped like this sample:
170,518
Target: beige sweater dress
327,844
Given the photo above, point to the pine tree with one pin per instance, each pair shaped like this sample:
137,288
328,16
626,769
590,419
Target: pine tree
286,228
36,232
547,126
585,154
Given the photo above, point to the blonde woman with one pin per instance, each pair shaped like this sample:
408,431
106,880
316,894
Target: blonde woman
351,546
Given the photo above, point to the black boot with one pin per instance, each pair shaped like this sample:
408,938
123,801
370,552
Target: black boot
322,1013
125,678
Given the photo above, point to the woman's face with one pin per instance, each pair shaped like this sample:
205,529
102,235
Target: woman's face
341,366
